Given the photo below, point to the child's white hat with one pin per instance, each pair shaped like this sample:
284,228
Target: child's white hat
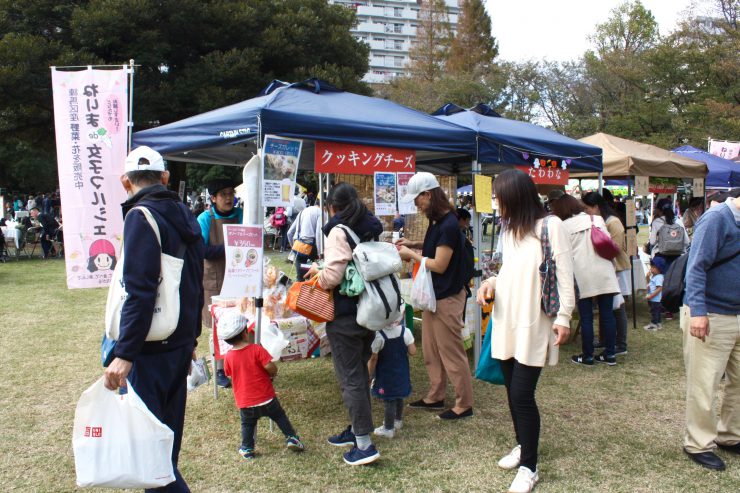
231,324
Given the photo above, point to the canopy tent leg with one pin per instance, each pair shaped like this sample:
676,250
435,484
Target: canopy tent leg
601,183
632,265
476,220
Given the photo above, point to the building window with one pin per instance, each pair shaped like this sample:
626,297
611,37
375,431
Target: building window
397,11
397,28
398,61
389,28
397,44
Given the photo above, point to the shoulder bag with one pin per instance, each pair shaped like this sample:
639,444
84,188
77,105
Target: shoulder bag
167,307
603,244
312,301
548,275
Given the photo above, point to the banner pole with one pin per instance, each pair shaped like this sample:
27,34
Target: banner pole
130,102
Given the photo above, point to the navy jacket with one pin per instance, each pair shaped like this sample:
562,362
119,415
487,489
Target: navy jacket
142,267
368,228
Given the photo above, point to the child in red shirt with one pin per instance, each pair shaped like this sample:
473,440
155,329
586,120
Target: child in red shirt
251,370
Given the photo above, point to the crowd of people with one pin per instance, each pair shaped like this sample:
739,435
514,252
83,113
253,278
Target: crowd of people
550,267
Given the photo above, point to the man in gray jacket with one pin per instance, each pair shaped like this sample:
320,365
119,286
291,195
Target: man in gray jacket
712,335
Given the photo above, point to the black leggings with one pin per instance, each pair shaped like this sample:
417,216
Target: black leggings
521,383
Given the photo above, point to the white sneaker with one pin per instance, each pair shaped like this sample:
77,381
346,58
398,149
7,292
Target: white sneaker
381,431
658,326
397,425
511,460
524,481
651,327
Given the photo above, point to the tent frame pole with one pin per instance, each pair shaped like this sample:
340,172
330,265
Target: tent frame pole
477,236
632,264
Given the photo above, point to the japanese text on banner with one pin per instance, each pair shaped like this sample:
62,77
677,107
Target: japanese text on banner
335,157
90,117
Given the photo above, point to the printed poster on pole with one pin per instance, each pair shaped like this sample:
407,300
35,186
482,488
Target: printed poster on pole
243,245
385,194
402,185
280,156
91,127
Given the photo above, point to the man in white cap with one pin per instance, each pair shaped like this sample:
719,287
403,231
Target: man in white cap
157,369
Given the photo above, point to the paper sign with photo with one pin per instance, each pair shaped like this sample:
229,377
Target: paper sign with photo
385,194
403,184
280,158
243,251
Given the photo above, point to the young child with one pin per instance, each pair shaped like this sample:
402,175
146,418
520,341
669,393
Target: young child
390,363
654,294
251,370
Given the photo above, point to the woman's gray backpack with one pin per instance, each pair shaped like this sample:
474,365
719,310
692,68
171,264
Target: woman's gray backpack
670,239
377,262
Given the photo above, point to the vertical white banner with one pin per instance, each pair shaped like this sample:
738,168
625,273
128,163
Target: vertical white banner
697,189
90,120
280,157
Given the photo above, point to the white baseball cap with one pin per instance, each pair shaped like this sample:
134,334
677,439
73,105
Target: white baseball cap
144,159
420,182
231,323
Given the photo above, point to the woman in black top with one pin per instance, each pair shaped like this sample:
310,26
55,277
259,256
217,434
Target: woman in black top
442,344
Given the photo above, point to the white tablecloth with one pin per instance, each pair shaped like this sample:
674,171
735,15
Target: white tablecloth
11,233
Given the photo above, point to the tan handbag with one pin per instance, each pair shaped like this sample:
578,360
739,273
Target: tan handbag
311,300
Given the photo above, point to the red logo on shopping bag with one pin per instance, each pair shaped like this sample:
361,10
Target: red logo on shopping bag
94,431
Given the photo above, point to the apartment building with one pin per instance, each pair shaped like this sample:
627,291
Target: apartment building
389,28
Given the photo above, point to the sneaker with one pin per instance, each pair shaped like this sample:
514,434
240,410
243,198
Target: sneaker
343,439
524,481
294,443
511,460
609,360
658,326
420,404
222,380
620,352
357,457
580,359
651,327
397,425
246,453
382,431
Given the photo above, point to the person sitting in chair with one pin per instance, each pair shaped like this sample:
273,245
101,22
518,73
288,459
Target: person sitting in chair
49,227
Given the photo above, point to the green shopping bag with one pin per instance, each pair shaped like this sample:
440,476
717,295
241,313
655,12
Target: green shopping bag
489,369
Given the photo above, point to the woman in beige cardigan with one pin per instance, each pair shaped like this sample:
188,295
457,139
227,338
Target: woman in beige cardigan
595,204
524,338
596,282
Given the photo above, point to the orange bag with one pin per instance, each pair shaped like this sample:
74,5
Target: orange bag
310,300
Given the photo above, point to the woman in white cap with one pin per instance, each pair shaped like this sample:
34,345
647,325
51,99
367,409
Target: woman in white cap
444,256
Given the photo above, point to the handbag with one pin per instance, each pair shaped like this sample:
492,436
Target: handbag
118,442
489,369
603,244
311,300
167,307
548,275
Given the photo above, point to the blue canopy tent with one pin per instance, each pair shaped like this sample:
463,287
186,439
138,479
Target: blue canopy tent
723,173
311,110
505,142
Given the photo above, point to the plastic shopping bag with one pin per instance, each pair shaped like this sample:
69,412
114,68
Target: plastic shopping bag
118,442
489,369
422,290
198,374
273,339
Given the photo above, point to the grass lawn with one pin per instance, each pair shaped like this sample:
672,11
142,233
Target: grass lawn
603,429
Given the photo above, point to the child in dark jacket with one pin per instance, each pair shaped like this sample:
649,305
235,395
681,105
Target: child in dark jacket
392,383
251,369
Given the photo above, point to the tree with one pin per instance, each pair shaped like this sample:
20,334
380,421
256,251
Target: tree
473,49
433,37
193,56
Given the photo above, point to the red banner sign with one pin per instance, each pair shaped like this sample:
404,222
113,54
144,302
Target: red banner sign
546,175
662,188
334,157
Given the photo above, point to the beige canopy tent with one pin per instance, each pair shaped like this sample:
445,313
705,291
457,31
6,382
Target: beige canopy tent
624,157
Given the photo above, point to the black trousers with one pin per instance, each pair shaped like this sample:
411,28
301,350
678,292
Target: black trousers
393,412
521,382
272,410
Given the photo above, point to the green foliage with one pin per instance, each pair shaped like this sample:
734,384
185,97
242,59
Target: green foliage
192,56
473,48
433,37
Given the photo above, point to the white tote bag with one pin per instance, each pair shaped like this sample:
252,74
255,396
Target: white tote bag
422,289
167,306
118,442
